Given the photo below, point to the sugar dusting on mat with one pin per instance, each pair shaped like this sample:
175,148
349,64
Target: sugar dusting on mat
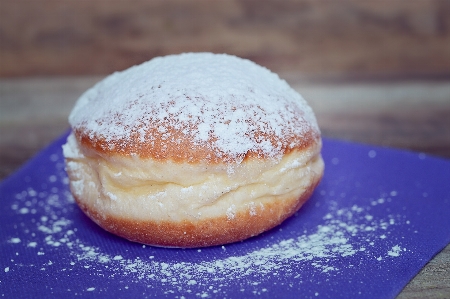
345,232
219,101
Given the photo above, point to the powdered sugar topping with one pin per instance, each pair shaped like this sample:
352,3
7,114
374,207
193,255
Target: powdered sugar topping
232,105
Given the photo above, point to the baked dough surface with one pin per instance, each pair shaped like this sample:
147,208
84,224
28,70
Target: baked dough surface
192,150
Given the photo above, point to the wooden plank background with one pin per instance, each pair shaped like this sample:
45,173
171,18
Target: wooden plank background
351,38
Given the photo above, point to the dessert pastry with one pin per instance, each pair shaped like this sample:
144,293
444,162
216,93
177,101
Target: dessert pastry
192,150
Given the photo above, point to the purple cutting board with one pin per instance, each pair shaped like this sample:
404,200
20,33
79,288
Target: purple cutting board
378,216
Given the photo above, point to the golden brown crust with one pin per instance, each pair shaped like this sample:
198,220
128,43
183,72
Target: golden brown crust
205,232
182,148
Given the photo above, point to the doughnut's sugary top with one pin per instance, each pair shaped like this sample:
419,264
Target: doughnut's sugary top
194,107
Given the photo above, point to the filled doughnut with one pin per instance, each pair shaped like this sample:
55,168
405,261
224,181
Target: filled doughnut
192,150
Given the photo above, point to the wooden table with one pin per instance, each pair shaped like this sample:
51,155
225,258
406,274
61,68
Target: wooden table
411,114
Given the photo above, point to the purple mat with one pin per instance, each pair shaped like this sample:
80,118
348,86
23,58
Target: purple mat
376,219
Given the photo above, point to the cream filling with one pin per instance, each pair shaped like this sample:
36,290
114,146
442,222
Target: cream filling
155,190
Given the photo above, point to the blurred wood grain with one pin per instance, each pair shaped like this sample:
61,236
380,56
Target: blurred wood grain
318,38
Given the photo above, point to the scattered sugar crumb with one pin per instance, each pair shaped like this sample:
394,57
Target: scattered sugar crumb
24,211
395,251
231,212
